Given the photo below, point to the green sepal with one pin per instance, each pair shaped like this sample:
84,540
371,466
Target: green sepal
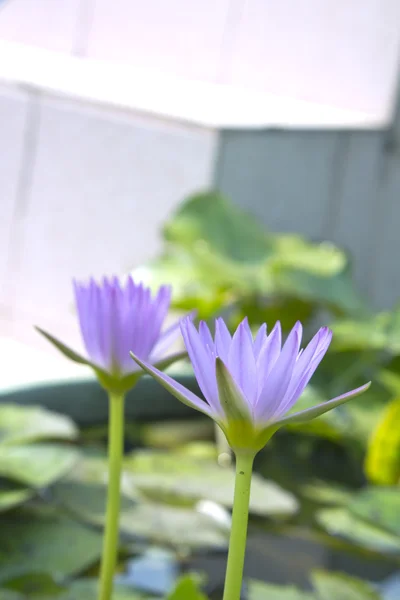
121,384
68,352
111,382
237,424
316,411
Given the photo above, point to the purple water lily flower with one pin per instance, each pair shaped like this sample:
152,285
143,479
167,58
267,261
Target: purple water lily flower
115,319
249,384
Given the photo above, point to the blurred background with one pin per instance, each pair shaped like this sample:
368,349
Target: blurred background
111,113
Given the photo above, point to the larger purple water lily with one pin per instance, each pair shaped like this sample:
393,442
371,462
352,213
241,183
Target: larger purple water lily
115,319
250,384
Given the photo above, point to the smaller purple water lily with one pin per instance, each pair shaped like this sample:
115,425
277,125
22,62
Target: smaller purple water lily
249,384
115,319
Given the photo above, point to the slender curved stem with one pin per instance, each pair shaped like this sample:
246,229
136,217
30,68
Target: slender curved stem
115,454
240,517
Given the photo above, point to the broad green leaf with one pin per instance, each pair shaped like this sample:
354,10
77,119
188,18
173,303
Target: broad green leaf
36,585
155,522
42,541
336,292
381,332
390,380
11,595
258,590
172,434
36,465
209,222
86,500
382,461
11,497
295,252
380,506
87,589
338,586
341,522
22,424
327,493
179,527
176,478
186,588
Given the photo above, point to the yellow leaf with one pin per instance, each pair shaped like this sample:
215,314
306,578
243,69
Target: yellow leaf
382,462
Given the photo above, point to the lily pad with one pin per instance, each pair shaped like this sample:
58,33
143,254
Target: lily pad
22,424
11,595
34,585
174,478
158,523
87,589
36,465
341,522
380,506
338,586
11,496
258,590
178,527
325,493
43,541
87,500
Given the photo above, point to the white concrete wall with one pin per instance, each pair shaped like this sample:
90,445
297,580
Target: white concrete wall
84,192
339,53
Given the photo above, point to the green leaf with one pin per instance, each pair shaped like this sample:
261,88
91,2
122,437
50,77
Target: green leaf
86,500
87,589
22,424
186,588
40,541
258,590
12,496
179,527
36,465
380,506
381,332
11,595
341,522
327,493
36,585
382,461
338,586
153,521
176,478
209,222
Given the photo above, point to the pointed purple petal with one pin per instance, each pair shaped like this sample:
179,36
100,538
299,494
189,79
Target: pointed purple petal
175,388
305,368
166,339
223,339
202,361
241,362
311,413
268,356
278,380
206,336
259,340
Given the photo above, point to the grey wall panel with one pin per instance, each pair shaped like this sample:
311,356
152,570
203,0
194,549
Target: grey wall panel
284,177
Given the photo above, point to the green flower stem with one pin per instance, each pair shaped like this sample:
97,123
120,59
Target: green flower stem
240,517
111,533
